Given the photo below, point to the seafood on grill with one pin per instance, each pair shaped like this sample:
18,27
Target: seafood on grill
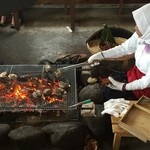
64,85
57,73
37,94
25,90
12,76
3,75
47,92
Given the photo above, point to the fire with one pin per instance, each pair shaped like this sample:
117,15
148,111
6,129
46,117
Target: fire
51,100
2,86
18,94
29,93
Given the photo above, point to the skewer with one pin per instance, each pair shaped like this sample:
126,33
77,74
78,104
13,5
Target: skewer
80,103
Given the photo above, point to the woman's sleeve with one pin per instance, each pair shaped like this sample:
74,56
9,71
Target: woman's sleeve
139,84
128,47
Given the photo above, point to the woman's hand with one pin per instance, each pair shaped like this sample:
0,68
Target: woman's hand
95,58
116,85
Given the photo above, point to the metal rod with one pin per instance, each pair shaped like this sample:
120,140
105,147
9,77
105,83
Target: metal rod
73,66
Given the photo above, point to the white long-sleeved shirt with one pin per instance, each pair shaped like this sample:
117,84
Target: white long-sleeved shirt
142,60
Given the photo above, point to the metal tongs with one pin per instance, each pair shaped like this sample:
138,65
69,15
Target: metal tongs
78,65
73,66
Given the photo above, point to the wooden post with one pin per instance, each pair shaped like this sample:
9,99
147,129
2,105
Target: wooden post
16,20
72,14
120,6
70,10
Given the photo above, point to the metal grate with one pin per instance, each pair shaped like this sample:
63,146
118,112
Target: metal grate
38,70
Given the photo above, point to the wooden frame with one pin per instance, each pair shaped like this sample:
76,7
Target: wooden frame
136,121
118,131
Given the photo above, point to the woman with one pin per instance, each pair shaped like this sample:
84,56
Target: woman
138,77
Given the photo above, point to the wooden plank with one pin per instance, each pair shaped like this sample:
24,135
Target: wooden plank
117,129
91,1
144,103
115,120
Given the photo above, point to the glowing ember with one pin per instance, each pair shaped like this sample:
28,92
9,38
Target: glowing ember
33,93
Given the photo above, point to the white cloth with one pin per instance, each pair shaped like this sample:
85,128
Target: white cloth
142,19
116,107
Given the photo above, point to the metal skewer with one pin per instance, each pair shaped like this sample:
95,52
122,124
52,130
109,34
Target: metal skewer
80,103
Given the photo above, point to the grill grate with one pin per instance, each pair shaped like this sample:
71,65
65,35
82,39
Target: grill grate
38,70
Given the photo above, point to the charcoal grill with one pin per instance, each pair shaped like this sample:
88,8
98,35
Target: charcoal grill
56,107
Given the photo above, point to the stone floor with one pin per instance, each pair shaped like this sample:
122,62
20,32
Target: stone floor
44,35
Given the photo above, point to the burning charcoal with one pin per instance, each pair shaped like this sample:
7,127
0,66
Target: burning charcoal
25,90
64,85
3,75
12,76
47,92
22,103
2,86
91,80
59,91
57,96
51,77
9,91
33,100
23,78
37,94
57,73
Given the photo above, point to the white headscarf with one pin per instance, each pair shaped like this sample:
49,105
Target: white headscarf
142,19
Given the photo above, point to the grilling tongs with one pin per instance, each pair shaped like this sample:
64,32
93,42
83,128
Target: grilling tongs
78,65
94,63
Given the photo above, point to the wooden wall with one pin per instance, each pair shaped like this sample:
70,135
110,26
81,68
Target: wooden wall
91,1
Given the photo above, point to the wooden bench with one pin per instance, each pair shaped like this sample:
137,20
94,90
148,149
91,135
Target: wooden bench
118,131
69,9
69,6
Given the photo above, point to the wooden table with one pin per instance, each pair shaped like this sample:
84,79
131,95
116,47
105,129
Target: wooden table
70,9
118,131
